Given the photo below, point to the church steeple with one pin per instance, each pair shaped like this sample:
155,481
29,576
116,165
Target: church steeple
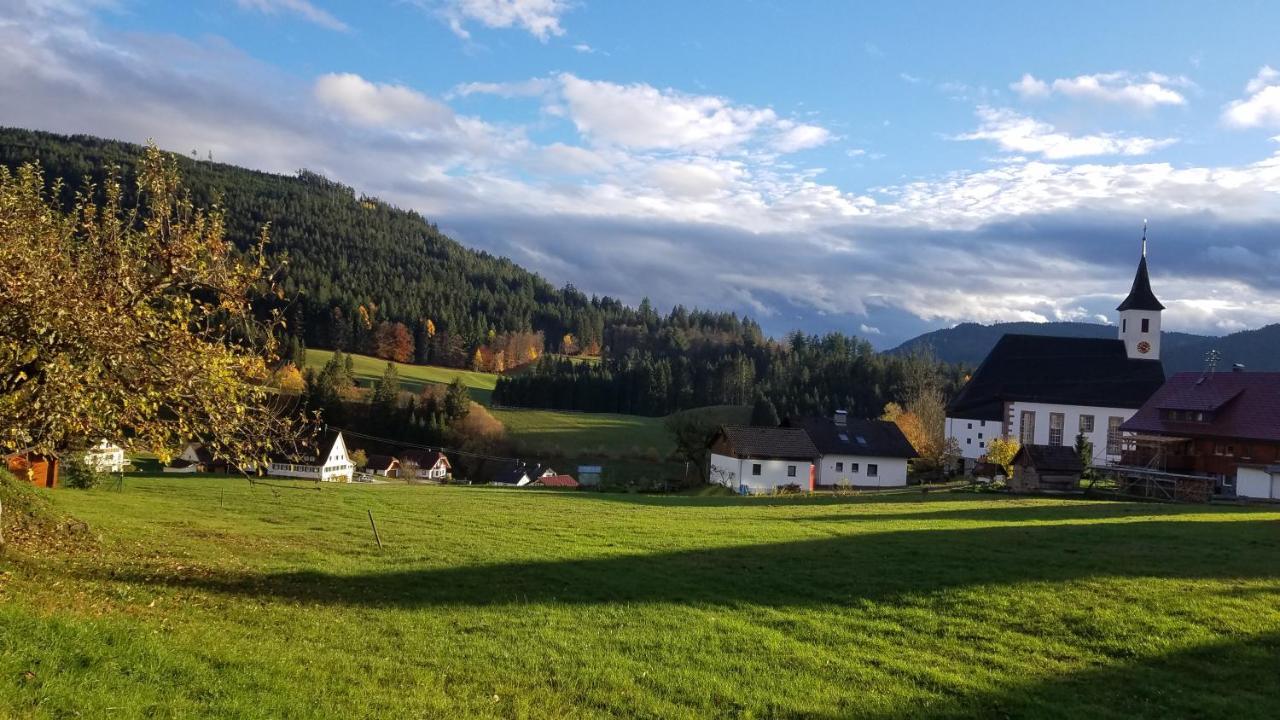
1140,313
1140,295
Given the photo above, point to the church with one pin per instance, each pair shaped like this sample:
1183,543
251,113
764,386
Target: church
1043,390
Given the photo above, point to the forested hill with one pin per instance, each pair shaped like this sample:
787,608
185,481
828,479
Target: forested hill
347,252
969,343
369,277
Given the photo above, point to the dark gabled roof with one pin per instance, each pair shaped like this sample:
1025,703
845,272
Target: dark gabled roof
1140,295
1239,405
1061,370
511,475
424,459
1054,458
538,471
380,462
784,443
858,437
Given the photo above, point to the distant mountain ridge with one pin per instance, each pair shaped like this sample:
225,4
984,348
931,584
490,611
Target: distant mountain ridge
969,343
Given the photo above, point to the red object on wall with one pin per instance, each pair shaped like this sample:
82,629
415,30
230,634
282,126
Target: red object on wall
813,477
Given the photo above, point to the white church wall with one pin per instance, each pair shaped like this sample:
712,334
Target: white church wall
1071,425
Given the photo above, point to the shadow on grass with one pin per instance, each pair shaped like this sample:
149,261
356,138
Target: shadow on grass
1013,511
840,571
1230,679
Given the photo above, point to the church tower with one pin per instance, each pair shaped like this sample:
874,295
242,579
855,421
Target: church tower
1140,313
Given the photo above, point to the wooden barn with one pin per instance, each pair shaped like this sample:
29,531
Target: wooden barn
1046,467
39,470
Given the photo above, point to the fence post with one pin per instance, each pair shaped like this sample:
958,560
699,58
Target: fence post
374,525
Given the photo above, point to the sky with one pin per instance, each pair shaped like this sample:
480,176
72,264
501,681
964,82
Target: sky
881,170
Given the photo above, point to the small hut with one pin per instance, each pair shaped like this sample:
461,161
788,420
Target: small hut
1046,467
39,470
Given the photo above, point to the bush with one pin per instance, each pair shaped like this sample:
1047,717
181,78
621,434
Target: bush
789,489
79,474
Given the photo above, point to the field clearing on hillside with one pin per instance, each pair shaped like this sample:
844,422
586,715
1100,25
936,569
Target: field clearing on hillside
211,598
412,377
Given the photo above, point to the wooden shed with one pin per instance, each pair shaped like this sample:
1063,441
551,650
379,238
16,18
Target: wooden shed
1046,467
39,470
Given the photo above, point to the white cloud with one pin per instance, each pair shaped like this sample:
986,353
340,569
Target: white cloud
1262,107
584,48
866,329
909,78
379,105
527,88
1022,134
303,8
540,18
1124,88
643,117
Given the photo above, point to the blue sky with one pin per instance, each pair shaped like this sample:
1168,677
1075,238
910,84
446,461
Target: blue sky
881,170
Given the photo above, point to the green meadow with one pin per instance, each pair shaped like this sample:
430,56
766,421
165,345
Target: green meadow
207,597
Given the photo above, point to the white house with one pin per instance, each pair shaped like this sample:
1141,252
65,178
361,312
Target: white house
431,465
105,457
858,453
330,464
1043,390
753,460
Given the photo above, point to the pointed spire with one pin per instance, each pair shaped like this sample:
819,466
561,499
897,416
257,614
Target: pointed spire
1140,295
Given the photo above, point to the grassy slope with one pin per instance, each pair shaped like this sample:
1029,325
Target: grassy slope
576,435
412,377
213,599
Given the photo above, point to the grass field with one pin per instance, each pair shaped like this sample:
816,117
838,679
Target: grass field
412,377
211,599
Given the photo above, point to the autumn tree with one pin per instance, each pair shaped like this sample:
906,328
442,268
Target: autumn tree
133,323
393,341
289,380
1001,451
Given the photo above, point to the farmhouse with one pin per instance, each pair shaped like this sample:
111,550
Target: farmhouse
760,460
1047,390
1046,467
194,458
1215,424
858,453
429,464
330,464
383,466
105,457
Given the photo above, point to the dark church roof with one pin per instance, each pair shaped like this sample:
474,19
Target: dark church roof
783,443
878,438
1060,370
1140,295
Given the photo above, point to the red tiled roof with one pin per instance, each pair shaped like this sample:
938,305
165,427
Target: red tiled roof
1243,405
557,481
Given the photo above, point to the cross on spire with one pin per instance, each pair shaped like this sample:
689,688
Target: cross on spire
1144,237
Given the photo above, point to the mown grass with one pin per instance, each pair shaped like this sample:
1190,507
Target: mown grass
412,377
213,599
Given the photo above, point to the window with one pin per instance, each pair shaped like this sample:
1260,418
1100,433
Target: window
791,471
1146,325
1027,436
1113,435
968,441
873,470
755,469
1124,325
853,468
979,436
982,423
1086,423
970,426
1056,423
982,444
839,467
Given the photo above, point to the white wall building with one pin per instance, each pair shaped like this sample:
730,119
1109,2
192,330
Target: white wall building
1258,482
754,460
1045,390
105,457
331,464
858,453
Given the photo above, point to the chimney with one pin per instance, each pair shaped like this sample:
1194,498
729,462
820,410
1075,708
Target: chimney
1238,367
841,418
